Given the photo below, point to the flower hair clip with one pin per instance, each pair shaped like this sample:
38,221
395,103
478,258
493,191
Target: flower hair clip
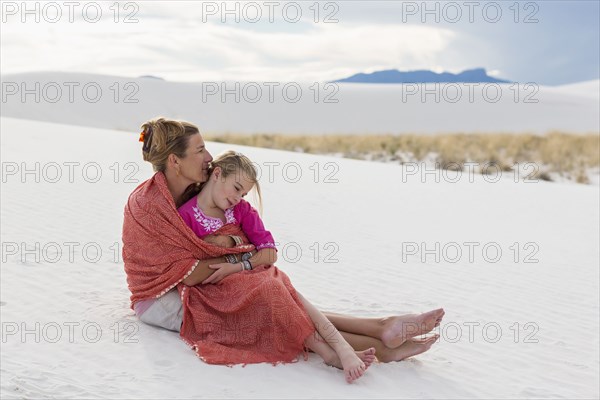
146,137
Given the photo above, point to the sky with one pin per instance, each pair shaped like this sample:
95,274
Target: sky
546,42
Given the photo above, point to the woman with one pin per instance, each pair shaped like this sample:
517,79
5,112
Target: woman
157,259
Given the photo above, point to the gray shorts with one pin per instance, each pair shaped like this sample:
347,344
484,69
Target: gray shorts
166,312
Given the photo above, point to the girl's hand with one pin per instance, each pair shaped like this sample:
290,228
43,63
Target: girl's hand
222,271
220,240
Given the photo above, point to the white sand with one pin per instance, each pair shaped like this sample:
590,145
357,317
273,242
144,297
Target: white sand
358,108
368,214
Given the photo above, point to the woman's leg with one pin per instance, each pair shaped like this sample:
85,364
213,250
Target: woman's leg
372,327
410,348
391,331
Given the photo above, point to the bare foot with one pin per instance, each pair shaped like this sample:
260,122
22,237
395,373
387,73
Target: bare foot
413,346
367,356
354,363
398,330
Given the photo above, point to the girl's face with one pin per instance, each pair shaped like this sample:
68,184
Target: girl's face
229,191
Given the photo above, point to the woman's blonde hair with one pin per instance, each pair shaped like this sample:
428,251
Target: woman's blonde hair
162,137
232,162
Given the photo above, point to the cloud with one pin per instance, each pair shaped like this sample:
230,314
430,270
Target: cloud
187,50
171,40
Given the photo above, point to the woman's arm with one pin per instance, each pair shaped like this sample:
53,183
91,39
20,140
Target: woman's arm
222,270
201,272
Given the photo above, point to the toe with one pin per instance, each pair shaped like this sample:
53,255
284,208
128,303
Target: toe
351,377
348,376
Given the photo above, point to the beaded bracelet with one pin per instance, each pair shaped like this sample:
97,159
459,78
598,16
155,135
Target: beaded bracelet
247,265
231,258
236,239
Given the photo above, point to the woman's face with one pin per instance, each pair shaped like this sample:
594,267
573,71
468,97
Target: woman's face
228,192
194,166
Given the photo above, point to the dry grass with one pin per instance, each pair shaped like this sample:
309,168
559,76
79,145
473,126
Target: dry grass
555,152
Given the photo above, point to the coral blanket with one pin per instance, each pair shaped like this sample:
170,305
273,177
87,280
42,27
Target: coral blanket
249,317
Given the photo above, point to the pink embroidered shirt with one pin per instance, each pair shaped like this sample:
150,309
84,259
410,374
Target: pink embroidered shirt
242,214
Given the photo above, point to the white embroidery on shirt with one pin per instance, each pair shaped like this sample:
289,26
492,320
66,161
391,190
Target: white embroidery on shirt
266,245
211,224
229,216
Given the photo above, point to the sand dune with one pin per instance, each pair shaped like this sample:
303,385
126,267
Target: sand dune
547,311
585,89
300,108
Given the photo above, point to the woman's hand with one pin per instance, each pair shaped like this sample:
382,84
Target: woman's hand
222,270
220,240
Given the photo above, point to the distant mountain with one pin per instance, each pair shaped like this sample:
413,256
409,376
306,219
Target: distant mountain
422,76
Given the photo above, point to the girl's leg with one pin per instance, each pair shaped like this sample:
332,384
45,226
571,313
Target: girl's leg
392,331
351,361
316,343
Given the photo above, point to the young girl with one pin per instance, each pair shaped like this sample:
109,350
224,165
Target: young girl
219,203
